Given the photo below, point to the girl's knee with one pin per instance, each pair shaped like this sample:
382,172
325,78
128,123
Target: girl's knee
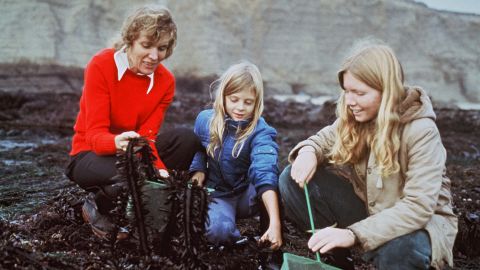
222,232
289,189
411,251
285,180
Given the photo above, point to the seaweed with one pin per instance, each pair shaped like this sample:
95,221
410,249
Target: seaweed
187,221
183,239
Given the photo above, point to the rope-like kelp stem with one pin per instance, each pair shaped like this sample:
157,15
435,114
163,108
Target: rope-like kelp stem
133,184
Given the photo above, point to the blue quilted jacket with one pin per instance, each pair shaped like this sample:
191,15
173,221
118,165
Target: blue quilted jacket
256,163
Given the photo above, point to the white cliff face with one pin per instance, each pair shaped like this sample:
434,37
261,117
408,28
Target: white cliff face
298,45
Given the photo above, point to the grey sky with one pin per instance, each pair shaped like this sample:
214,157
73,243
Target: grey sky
467,6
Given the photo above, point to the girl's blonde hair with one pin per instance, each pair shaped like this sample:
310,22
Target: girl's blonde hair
378,67
155,21
238,77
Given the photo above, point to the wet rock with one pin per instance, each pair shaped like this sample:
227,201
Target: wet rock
47,128
13,132
27,133
4,116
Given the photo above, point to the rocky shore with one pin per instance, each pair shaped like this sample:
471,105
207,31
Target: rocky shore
40,225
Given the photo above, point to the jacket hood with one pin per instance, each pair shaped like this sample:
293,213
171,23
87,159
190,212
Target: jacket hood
416,105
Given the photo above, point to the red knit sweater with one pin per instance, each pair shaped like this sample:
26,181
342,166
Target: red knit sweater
109,107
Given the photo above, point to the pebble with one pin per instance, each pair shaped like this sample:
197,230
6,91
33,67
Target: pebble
472,217
57,236
27,133
13,132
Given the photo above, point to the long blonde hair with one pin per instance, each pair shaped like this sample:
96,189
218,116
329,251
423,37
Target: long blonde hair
378,67
238,77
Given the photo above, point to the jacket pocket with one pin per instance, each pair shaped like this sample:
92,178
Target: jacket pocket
265,155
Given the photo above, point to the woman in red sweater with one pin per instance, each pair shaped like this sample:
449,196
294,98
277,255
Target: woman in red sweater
126,93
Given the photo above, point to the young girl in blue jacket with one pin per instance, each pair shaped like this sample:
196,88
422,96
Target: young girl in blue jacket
240,162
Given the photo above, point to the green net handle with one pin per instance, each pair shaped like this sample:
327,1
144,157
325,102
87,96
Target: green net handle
310,216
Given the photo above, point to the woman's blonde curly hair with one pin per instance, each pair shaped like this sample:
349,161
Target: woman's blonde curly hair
155,22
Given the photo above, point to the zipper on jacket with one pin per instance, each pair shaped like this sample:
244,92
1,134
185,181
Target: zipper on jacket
220,154
365,182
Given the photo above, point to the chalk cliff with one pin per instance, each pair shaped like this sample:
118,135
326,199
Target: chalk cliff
298,45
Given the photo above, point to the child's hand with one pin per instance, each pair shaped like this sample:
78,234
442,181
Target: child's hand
199,177
274,236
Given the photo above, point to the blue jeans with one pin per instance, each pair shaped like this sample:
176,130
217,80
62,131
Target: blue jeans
223,212
410,251
333,201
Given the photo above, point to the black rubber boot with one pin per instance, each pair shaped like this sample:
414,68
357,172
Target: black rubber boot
106,196
101,225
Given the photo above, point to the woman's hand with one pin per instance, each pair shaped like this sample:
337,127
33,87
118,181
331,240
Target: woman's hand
329,238
163,173
304,166
199,177
273,235
121,140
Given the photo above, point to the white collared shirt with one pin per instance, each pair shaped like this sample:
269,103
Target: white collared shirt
121,61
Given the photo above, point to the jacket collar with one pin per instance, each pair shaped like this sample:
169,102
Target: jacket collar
232,124
121,61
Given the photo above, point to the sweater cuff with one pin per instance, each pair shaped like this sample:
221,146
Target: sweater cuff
295,151
359,239
104,144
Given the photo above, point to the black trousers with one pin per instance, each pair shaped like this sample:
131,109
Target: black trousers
95,173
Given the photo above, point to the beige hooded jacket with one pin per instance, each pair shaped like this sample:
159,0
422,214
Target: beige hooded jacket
417,197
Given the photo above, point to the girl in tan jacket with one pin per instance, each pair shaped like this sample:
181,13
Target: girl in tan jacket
377,174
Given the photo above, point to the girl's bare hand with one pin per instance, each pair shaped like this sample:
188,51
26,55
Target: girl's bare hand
274,236
199,177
